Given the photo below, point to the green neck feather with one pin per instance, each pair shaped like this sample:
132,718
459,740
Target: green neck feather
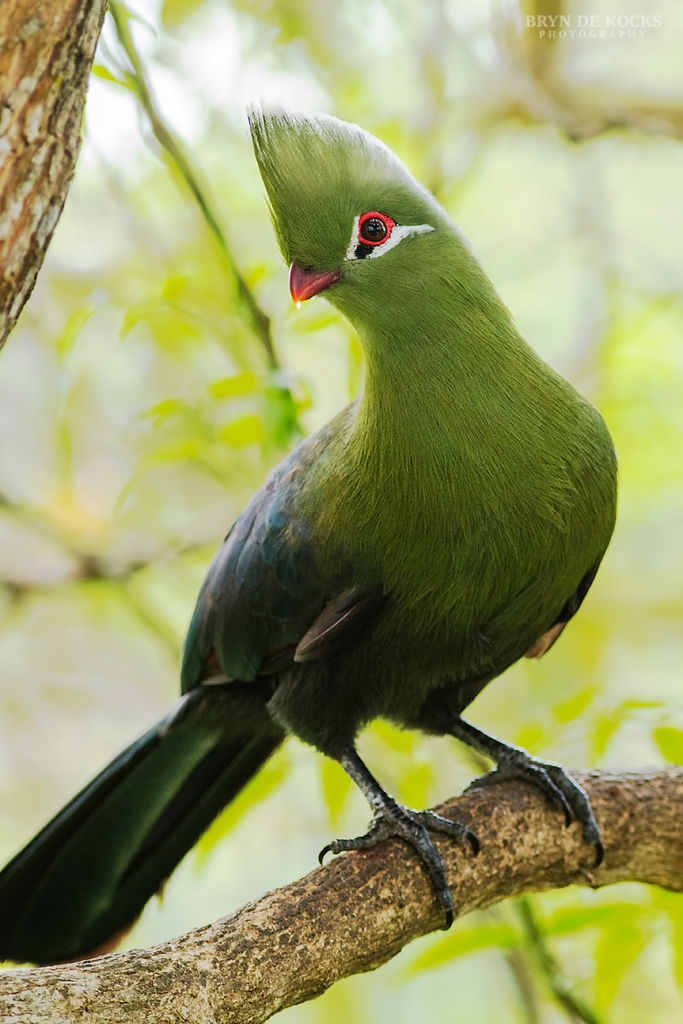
448,376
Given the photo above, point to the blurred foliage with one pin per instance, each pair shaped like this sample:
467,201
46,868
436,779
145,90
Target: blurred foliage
140,408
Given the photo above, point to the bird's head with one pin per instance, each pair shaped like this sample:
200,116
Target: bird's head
349,217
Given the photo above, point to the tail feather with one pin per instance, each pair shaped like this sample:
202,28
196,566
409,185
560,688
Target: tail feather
88,874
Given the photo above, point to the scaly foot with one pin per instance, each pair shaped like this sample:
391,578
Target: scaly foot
394,821
515,763
557,784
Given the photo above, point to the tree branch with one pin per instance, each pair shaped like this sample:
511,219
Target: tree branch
359,910
46,52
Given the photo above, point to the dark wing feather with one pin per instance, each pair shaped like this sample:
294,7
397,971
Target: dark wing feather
265,588
341,619
569,610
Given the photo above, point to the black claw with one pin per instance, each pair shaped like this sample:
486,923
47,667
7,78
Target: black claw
581,809
413,827
392,821
547,784
444,898
563,792
473,840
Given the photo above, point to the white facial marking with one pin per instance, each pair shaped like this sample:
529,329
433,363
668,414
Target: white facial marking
398,233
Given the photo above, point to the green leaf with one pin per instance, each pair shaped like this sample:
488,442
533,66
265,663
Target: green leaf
71,330
416,785
465,941
229,387
396,739
572,708
280,419
531,736
603,731
175,12
257,789
337,789
566,920
671,905
173,287
241,432
677,949
100,71
173,451
165,410
670,742
614,956
131,319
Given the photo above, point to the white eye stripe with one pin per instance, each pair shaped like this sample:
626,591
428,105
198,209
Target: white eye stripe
398,233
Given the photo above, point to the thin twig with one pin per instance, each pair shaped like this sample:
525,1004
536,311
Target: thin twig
519,969
137,79
577,1009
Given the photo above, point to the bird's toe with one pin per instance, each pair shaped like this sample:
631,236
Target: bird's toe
563,792
414,827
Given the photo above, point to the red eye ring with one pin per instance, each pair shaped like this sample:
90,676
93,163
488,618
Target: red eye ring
365,236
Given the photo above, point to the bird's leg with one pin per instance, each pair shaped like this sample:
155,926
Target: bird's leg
391,820
514,762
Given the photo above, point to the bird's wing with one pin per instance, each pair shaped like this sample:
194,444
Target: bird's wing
543,644
266,598
341,619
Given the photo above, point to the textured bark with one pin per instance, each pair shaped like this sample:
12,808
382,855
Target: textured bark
360,910
46,52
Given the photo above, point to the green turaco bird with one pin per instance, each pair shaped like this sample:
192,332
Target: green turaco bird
442,526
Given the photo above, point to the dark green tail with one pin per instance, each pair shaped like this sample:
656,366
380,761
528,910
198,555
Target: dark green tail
88,874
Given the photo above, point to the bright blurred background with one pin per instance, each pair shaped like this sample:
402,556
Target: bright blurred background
140,407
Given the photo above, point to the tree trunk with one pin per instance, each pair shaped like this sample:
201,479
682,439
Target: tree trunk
46,52
359,910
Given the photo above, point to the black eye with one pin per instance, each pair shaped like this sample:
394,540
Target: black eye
374,228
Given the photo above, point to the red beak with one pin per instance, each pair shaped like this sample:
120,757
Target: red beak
304,282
